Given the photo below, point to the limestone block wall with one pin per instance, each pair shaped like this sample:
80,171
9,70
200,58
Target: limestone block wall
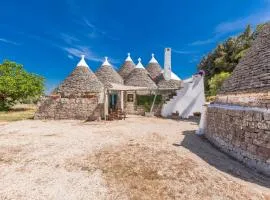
242,132
140,110
258,99
81,108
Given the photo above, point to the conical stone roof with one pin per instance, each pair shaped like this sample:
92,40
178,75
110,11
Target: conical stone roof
252,74
140,77
82,80
106,74
153,67
127,67
173,83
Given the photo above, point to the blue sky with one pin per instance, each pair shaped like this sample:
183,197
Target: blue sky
47,37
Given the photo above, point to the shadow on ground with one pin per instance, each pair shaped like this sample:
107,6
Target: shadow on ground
205,150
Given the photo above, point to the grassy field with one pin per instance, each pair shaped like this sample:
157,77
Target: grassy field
19,112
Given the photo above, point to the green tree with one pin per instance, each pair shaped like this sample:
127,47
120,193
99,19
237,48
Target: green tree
17,85
216,82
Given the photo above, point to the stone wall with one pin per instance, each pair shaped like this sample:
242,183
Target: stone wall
140,110
258,99
242,132
81,108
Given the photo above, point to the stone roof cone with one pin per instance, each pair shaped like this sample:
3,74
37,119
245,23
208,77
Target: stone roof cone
174,83
153,67
252,74
140,77
82,80
106,74
127,67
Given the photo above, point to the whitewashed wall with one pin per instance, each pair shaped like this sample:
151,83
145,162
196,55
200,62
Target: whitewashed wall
189,99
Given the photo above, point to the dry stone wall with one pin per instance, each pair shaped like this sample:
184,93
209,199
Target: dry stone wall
80,108
259,99
242,132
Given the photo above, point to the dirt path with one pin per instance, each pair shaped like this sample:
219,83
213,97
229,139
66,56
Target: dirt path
140,158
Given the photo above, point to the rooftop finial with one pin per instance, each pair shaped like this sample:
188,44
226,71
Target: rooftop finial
128,58
106,62
153,60
139,65
82,62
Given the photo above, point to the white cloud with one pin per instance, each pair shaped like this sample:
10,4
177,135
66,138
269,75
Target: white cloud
8,41
183,52
69,39
204,42
89,24
89,54
240,24
236,25
82,50
95,32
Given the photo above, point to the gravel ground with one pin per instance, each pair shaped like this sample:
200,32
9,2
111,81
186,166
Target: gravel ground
139,158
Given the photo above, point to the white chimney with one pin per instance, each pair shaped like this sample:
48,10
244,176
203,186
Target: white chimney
167,64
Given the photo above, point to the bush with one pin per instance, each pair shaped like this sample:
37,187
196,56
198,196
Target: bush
216,82
148,99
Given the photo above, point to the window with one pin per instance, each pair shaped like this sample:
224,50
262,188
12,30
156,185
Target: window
130,98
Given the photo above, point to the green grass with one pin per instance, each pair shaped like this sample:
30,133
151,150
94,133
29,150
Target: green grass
18,112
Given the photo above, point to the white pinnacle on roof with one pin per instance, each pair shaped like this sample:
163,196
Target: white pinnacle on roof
128,58
106,62
82,62
153,60
139,65
173,76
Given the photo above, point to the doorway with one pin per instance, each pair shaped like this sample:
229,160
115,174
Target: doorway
112,101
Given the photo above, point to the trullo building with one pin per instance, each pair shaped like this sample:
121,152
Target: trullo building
140,77
239,120
107,75
77,97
